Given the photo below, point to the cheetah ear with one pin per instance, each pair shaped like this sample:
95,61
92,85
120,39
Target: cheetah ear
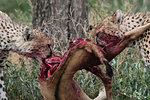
118,15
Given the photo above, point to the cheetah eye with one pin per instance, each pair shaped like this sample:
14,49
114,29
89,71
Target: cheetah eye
28,34
28,37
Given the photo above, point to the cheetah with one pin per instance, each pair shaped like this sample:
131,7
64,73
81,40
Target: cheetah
119,23
22,40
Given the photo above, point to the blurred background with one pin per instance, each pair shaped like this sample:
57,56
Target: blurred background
131,79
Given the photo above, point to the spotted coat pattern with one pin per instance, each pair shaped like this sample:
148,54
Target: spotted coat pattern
119,23
23,40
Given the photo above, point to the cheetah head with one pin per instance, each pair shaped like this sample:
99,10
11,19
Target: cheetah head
34,44
106,33
116,25
23,40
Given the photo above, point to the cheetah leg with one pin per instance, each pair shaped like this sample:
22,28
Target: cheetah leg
3,58
133,34
2,86
145,50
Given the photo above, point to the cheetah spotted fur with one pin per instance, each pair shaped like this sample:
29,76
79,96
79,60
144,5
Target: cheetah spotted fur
119,23
20,39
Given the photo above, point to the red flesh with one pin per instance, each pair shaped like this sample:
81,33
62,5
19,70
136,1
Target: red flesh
110,50
108,39
49,67
52,63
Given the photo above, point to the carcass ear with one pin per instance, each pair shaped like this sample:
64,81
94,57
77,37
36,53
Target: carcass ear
118,15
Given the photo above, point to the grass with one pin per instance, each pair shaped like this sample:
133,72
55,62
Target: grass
22,82
131,79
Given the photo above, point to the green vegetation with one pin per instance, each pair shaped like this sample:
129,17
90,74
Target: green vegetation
18,10
22,82
131,79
